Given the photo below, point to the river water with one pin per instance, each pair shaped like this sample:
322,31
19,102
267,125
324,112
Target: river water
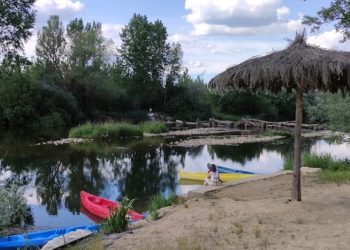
52,177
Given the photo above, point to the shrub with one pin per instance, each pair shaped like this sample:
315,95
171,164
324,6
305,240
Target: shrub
13,209
158,202
154,127
105,131
118,221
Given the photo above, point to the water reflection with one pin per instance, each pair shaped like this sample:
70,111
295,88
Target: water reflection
53,176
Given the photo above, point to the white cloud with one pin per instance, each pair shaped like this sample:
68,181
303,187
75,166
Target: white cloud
112,31
50,6
211,56
66,9
29,46
239,17
329,40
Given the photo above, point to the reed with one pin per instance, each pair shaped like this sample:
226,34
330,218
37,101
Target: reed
118,221
153,127
105,131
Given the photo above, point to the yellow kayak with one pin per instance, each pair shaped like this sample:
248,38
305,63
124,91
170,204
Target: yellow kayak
200,176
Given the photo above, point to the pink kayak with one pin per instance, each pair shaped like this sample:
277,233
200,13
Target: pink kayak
103,207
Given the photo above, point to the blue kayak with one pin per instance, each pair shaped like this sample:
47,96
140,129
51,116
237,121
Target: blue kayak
222,169
38,239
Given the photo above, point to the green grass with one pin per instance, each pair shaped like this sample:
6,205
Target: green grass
288,163
105,131
323,161
158,202
153,127
340,176
334,170
118,221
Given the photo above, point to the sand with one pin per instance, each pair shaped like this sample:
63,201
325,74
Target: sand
255,215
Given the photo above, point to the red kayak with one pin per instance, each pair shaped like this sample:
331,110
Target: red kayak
103,207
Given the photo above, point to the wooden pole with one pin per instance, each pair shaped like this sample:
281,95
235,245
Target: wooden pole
296,185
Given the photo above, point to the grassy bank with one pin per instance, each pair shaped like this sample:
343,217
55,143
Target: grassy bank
333,170
155,127
116,130
105,131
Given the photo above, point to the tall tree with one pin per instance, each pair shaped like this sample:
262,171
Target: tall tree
144,53
51,46
338,12
86,62
17,17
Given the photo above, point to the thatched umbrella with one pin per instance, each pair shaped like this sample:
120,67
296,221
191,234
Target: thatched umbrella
301,67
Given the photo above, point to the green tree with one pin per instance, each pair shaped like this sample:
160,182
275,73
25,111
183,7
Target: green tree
17,17
51,46
19,97
87,68
188,99
338,12
144,53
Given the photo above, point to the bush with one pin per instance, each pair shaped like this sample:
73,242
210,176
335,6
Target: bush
118,221
14,210
105,131
158,202
154,127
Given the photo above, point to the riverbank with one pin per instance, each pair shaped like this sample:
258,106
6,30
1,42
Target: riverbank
255,215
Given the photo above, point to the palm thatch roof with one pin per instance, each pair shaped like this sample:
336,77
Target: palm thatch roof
309,67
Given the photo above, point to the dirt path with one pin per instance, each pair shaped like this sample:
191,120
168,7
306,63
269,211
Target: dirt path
254,215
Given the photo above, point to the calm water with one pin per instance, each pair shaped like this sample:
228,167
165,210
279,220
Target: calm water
53,176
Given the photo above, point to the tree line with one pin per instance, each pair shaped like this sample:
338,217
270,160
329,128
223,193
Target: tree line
79,75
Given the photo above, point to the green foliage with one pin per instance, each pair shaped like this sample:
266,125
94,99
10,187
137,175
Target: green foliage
19,98
323,161
51,46
17,17
105,131
14,210
337,12
158,202
118,221
288,163
333,170
153,127
239,103
145,55
188,100
331,109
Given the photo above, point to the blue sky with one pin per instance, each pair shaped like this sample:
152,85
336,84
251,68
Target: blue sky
214,34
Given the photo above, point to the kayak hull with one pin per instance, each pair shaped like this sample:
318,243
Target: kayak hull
222,169
38,239
200,176
102,207
232,170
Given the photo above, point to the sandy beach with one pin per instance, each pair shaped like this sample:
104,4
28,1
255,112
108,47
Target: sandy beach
255,215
